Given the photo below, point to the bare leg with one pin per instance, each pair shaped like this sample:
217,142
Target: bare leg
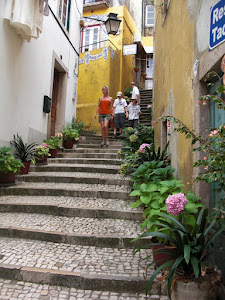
103,131
106,127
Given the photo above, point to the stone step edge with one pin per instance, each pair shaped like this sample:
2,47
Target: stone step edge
70,211
70,179
64,192
72,239
79,280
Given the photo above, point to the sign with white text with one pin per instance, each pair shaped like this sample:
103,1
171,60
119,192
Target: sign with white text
130,49
217,25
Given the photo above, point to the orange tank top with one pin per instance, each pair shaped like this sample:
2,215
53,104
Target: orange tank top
105,106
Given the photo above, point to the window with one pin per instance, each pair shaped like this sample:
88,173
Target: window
93,37
64,12
150,15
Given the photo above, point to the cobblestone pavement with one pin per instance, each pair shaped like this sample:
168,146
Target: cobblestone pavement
14,290
69,225
97,166
72,202
73,186
74,258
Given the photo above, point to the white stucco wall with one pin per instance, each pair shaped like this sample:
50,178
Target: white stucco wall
26,74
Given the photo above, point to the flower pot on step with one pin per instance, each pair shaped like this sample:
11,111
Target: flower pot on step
41,161
53,152
7,178
162,253
24,170
68,144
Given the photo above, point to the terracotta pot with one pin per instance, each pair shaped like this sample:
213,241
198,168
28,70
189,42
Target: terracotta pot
194,290
136,70
68,144
24,170
7,178
53,152
41,161
144,75
161,258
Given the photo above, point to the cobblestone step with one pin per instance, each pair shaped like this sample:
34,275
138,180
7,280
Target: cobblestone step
89,150
88,155
14,290
94,141
111,147
75,177
71,230
83,267
72,207
67,189
89,161
76,168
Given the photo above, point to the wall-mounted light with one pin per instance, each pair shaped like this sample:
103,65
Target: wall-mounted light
112,24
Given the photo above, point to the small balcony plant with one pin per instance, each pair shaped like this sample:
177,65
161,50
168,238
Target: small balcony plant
136,68
9,165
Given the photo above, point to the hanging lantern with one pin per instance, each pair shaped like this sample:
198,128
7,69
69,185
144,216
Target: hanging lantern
112,24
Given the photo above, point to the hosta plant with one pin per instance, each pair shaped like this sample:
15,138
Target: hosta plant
8,163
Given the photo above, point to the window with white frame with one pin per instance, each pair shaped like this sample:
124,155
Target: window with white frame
64,12
93,37
150,15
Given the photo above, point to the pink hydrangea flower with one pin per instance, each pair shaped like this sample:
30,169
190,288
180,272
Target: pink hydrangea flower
176,203
44,145
149,106
142,147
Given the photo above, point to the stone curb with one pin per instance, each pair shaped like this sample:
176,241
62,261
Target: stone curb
67,211
72,239
77,280
88,161
69,179
87,155
20,190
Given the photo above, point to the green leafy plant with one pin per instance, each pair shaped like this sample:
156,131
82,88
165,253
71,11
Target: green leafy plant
54,142
128,92
23,151
41,151
191,244
70,134
8,163
79,126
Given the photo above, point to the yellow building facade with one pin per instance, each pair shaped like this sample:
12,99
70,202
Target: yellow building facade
105,66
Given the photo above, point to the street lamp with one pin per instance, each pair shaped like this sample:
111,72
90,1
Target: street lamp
112,24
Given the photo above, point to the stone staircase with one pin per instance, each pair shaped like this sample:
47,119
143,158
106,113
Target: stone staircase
66,230
146,98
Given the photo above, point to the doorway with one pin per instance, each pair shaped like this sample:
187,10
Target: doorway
54,101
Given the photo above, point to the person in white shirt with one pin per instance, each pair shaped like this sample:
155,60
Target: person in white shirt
119,108
135,92
134,111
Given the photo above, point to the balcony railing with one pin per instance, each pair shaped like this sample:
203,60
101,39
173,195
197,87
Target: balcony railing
99,3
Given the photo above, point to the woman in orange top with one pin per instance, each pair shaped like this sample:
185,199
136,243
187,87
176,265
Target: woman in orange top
104,109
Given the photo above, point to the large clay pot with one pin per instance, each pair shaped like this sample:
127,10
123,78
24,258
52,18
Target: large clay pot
161,258
193,290
7,179
68,144
136,70
53,152
24,170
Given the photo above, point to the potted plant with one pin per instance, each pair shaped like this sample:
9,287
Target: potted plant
186,270
144,75
136,69
41,154
53,144
23,152
69,136
9,165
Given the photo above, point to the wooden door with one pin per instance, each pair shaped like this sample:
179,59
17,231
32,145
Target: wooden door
54,101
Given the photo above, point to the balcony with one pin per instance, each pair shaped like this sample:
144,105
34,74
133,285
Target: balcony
95,4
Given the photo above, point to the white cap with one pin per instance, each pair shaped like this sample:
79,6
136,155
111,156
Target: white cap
119,94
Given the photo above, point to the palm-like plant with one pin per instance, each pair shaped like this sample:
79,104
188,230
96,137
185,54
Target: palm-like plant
23,151
192,244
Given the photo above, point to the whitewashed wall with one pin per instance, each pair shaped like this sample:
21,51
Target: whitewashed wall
26,74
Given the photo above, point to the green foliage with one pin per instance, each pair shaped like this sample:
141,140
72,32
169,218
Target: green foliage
192,245
79,126
23,151
70,134
8,163
128,92
54,142
41,151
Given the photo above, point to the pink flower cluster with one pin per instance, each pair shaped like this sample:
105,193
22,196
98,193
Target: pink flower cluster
142,147
213,133
149,106
44,145
176,203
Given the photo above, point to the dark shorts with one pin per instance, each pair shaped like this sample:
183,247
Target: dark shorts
133,123
119,120
104,117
